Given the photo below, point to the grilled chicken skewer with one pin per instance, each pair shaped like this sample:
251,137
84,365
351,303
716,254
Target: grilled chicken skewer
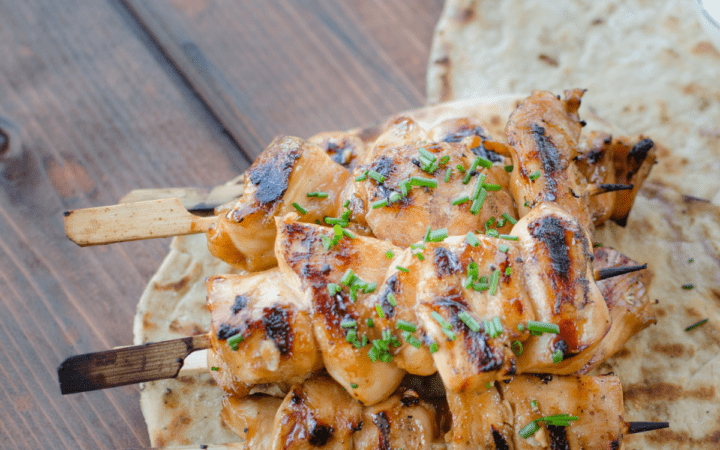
576,412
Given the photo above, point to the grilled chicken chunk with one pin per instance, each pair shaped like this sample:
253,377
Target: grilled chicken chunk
403,421
278,344
480,420
597,402
627,299
462,320
544,132
340,322
345,149
283,174
251,418
316,414
397,157
633,158
558,273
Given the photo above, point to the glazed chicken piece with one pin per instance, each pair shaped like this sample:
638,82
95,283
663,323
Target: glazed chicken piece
474,323
627,299
277,346
558,274
402,421
345,149
339,302
283,174
251,418
398,156
604,160
597,402
544,132
316,414
480,420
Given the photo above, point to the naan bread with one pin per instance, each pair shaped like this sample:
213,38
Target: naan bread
649,68
667,373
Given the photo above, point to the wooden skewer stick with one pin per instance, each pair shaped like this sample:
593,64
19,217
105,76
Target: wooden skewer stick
596,189
195,200
127,365
132,222
609,272
641,427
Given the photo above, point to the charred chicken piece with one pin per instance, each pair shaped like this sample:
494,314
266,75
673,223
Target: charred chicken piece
261,332
283,175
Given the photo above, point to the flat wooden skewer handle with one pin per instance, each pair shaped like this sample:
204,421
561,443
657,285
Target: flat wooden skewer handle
127,365
132,222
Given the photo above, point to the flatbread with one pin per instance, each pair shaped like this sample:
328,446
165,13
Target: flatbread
675,379
649,68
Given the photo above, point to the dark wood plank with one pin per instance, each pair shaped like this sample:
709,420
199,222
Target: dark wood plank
97,111
298,68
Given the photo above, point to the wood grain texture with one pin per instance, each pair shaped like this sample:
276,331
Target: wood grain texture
94,107
297,68
96,112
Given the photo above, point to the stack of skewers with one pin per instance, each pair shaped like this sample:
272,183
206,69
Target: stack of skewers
435,288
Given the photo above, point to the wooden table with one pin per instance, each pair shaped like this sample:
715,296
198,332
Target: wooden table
98,98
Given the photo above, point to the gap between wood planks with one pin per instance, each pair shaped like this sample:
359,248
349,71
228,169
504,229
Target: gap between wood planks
197,73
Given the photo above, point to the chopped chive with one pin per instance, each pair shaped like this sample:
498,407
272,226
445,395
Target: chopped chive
317,194
348,233
498,325
533,404
406,326
389,254
508,168
326,242
521,327
696,324
460,168
369,322
370,287
489,385
348,277
478,203
517,348
300,209
376,176
348,323
415,342
557,356
373,354
441,320
688,286
353,385
235,340
338,230
362,177
353,293
508,237
379,203
492,232
438,235
501,222
509,218
391,299
691,260
427,154
480,286
494,278
420,256
448,174
543,327
508,271
346,204
214,368
461,200
490,222
492,187
395,197
529,429
469,321
351,335
405,187
445,159
336,221
489,328
427,234
486,163
535,175
472,239
402,269
503,248
425,182
478,186
473,270
379,310
433,347
333,288
449,334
